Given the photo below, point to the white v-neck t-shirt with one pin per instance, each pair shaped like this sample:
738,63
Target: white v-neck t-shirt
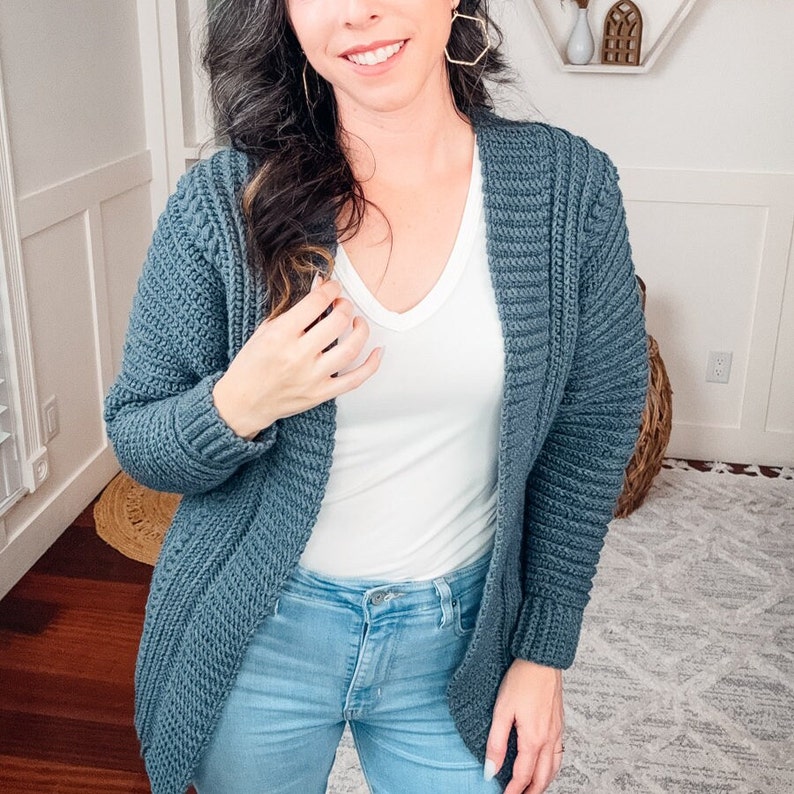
412,487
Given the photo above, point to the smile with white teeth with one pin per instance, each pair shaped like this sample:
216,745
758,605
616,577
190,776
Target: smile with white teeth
373,57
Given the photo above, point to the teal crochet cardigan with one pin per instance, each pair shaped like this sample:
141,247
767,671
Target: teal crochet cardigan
574,387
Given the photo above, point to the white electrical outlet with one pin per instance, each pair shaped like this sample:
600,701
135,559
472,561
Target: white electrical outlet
50,418
719,366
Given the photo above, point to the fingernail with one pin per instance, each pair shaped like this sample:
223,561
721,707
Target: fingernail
489,769
380,353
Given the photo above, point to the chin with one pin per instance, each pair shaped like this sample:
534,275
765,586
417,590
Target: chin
386,99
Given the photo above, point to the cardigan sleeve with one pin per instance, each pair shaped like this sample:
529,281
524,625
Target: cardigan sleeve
159,413
573,487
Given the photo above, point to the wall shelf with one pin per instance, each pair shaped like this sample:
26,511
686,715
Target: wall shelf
660,25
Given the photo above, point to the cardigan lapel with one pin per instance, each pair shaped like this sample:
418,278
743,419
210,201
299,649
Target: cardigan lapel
517,189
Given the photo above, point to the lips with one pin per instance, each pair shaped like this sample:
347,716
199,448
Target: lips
373,54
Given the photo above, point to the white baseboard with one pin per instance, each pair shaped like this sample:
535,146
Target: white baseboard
731,445
45,526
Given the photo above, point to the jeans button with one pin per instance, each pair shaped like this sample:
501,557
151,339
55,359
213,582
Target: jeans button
377,598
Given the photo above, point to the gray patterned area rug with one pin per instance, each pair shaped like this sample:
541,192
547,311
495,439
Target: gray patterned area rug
684,677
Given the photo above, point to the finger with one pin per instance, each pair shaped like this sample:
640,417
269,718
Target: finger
496,746
310,306
546,768
340,357
523,770
558,759
329,328
353,379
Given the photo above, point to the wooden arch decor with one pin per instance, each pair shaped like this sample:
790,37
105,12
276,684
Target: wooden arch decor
622,34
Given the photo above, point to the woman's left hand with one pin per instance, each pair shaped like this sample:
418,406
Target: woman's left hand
530,696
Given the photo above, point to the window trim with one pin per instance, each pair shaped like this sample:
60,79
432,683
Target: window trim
18,358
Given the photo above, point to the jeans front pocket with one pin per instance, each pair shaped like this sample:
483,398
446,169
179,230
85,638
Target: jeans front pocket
460,596
466,607
463,618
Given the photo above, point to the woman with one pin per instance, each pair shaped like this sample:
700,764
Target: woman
397,478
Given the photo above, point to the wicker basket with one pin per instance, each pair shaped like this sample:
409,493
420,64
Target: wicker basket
133,519
657,421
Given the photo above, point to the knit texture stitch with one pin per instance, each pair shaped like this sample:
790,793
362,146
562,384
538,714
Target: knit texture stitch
574,388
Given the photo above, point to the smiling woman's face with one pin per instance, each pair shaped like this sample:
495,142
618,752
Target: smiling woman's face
379,55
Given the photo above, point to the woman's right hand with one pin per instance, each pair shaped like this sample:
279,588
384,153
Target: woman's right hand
282,369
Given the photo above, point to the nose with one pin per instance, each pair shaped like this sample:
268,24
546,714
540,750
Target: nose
359,13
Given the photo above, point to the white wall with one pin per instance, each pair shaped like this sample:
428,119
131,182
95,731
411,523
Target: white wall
74,101
705,146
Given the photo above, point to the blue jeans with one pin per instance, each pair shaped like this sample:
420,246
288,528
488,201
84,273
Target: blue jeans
376,655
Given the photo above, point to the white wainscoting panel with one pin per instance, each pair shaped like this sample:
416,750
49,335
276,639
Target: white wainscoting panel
683,251
63,325
715,251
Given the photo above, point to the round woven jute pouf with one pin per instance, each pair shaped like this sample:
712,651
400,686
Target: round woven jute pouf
133,519
657,422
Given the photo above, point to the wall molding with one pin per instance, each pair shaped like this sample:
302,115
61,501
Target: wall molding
154,110
177,104
99,297
742,188
51,205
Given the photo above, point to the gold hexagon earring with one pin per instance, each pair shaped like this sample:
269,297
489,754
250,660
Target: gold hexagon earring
483,26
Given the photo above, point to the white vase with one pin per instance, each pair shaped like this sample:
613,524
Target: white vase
580,44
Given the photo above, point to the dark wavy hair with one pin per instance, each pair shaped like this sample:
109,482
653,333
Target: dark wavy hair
300,175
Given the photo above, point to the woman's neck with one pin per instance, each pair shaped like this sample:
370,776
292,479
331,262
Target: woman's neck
406,146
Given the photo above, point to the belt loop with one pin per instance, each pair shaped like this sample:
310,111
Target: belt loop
445,599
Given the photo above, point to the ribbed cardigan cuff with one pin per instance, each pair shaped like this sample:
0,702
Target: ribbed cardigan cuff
547,632
205,436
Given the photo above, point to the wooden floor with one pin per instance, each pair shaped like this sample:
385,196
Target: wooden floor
68,638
